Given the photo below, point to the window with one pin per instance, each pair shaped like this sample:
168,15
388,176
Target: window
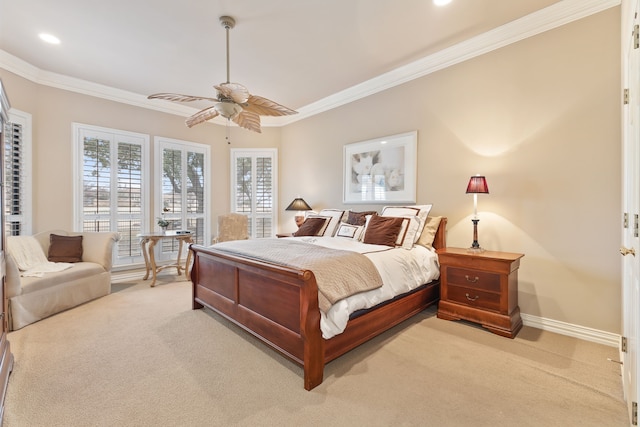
111,193
253,184
17,147
182,190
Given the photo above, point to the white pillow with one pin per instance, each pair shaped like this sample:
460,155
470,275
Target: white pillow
336,218
421,211
349,231
429,232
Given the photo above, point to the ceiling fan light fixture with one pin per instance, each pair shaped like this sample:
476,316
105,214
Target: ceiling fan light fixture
228,109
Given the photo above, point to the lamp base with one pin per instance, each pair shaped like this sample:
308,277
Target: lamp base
477,250
475,246
299,220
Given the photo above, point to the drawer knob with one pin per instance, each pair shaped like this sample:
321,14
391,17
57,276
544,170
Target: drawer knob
470,280
472,299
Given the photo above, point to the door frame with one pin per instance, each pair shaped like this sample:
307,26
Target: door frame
630,263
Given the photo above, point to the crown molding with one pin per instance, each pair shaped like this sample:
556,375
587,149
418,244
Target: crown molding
546,19
23,69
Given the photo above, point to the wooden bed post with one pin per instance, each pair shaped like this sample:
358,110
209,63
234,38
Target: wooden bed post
313,342
195,305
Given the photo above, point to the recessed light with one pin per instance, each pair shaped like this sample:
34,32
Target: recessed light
49,38
441,2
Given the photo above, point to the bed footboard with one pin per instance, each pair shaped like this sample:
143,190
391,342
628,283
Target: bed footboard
278,305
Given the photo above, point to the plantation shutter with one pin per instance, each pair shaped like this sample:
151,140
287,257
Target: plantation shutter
253,189
17,146
113,191
182,171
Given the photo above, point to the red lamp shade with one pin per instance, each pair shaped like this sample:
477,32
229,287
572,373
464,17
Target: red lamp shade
477,184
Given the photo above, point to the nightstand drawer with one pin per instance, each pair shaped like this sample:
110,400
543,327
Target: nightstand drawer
473,297
474,279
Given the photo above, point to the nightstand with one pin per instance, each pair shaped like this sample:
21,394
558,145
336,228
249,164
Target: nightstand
481,288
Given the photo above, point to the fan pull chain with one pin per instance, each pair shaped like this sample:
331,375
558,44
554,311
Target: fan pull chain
228,137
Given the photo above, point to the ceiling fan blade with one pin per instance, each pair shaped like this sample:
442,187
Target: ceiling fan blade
235,91
202,116
266,107
248,120
233,101
180,98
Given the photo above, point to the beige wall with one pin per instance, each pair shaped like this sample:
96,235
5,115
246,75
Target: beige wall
539,118
55,110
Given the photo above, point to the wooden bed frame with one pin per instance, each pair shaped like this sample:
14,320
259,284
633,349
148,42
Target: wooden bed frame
279,305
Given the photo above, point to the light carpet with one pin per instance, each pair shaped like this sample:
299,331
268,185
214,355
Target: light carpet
142,357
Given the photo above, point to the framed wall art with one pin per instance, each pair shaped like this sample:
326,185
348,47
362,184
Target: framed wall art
381,170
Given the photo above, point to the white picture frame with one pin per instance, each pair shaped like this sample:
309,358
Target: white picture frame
381,170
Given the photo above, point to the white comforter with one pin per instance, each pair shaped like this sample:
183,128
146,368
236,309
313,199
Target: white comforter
401,270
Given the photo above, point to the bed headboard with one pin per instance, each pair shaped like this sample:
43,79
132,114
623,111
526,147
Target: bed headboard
440,239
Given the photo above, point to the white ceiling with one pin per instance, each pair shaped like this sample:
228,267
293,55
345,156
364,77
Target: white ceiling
300,53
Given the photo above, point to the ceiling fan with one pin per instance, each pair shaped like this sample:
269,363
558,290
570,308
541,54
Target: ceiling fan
233,100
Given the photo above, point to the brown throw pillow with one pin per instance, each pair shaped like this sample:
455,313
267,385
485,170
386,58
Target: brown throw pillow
65,248
359,218
383,230
310,227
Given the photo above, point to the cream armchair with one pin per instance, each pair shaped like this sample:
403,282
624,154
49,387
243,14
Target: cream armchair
35,298
232,226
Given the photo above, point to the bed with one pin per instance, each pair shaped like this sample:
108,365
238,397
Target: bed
279,304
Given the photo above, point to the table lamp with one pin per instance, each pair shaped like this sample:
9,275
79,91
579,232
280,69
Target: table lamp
477,185
300,206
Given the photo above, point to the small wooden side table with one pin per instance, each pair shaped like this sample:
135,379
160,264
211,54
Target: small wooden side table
148,242
482,288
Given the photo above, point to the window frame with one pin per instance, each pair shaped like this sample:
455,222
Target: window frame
78,132
255,153
160,143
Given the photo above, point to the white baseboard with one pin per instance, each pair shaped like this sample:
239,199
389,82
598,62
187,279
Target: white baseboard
135,275
576,331
126,275
563,328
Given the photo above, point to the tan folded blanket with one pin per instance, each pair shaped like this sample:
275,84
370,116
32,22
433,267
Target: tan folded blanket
338,273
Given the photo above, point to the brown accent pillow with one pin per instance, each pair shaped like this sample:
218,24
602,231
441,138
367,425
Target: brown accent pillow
383,230
65,248
310,227
359,218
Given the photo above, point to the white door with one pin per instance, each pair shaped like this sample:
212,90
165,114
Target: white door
631,207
